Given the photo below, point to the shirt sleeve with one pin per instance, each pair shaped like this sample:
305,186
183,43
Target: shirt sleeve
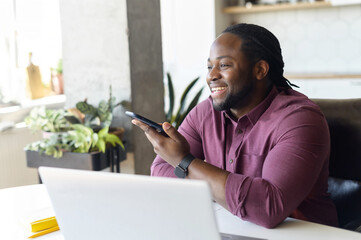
290,170
189,129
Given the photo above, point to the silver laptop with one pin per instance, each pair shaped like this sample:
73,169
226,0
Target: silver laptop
101,205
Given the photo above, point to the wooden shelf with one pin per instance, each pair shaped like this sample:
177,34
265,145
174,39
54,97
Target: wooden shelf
323,76
275,7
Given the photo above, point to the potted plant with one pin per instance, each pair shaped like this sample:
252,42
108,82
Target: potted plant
57,78
75,134
48,121
79,139
183,110
96,117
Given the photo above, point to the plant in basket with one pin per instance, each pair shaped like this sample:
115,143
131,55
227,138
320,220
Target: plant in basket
83,129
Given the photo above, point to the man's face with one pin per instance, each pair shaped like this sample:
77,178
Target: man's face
229,74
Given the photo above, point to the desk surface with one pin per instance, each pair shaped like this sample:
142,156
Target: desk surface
15,203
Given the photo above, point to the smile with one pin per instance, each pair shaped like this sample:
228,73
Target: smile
218,89
215,91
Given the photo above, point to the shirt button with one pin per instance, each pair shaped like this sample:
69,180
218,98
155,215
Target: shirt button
230,161
239,131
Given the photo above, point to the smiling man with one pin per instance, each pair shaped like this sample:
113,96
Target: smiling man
263,147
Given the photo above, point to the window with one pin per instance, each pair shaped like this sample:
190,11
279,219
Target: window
27,26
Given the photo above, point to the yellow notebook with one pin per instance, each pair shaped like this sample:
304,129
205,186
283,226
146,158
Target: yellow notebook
43,224
38,221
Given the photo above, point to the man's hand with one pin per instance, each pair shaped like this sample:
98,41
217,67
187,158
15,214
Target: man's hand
172,149
175,147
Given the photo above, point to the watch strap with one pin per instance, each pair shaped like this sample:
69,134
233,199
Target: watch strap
186,161
181,170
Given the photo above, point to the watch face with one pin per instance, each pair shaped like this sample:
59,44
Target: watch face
179,172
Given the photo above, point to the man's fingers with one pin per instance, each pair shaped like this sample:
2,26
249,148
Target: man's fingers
154,135
172,132
146,128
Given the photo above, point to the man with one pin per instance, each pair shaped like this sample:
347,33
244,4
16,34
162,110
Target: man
262,147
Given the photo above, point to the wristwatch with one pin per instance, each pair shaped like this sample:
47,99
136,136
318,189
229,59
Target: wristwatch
181,170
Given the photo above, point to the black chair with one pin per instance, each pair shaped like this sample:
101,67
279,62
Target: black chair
344,121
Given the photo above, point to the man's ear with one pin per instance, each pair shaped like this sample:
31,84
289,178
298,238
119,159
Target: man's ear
260,69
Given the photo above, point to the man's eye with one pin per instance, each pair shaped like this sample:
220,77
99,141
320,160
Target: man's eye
209,67
224,65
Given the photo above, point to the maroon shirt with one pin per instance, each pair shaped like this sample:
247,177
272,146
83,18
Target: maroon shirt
277,156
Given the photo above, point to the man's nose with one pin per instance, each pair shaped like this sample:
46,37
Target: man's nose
214,74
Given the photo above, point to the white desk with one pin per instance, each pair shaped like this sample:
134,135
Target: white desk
15,202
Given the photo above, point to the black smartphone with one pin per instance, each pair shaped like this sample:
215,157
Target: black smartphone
154,125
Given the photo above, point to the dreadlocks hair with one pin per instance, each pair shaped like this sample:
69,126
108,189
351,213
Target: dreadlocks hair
260,44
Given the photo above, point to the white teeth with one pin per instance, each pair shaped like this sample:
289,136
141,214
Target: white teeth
218,89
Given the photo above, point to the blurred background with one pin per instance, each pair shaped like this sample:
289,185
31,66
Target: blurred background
55,53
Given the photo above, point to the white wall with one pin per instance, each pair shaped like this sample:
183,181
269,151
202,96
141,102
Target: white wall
95,50
316,40
188,30
96,53
313,41
326,40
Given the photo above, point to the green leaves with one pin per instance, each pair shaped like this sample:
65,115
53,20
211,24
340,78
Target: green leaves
47,120
86,108
171,99
190,107
114,140
80,139
52,146
78,134
59,68
178,118
102,115
105,137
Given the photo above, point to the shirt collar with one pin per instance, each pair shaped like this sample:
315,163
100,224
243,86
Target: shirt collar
256,112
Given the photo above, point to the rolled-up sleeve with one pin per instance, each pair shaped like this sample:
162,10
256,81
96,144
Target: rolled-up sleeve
161,168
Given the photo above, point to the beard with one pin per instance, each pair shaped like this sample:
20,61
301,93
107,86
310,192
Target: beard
234,100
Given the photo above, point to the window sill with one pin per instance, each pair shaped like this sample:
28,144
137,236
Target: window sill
17,113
